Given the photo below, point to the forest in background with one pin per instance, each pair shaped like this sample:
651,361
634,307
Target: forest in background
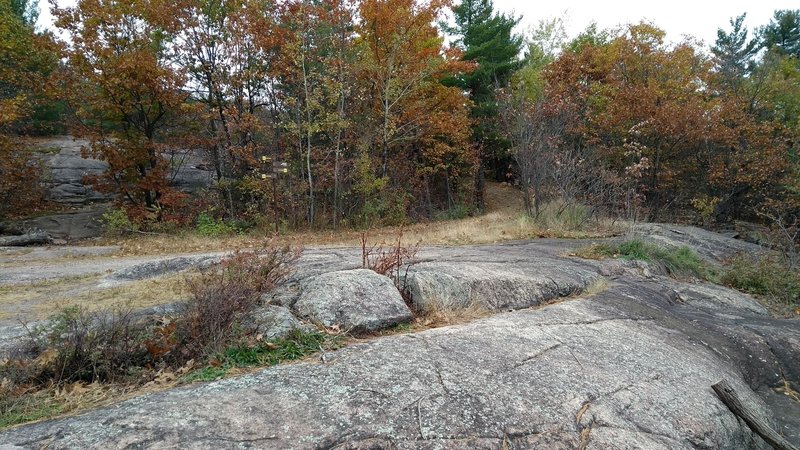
329,113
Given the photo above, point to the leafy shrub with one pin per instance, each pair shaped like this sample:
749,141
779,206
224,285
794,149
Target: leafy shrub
705,207
457,211
768,276
207,225
21,189
116,222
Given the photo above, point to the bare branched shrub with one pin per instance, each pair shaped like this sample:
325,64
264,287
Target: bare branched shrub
535,129
785,236
262,269
82,345
221,297
392,261
78,345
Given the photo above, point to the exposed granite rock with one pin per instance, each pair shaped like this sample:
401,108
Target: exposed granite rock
356,300
493,285
79,224
628,367
711,245
274,322
160,267
23,240
66,170
623,368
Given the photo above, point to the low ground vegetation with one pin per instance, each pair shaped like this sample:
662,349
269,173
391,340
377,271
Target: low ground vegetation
679,262
770,277
119,347
505,219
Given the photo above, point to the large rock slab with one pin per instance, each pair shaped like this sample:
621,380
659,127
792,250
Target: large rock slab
355,300
66,170
78,224
32,238
621,369
161,267
711,245
495,286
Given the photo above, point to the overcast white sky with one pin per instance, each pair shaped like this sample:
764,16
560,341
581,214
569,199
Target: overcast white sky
699,18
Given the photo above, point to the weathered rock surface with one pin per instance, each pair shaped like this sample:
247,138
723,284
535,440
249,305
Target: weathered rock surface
274,322
66,170
79,224
160,267
495,286
622,369
714,246
628,367
357,300
32,238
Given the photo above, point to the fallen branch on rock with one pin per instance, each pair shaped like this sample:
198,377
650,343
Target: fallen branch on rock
731,399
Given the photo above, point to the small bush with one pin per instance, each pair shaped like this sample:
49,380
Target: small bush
562,215
119,346
224,295
390,262
207,225
457,211
81,345
769,277
116,222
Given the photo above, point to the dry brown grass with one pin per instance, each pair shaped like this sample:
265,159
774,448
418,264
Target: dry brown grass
593,251
595,287
40,300
435,315
136,294
504,221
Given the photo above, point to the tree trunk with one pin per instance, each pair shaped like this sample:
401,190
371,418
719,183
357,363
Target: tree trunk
731,399
480,185
311,199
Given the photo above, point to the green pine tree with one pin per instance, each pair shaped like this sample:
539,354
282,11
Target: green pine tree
488,39
783,32
733,52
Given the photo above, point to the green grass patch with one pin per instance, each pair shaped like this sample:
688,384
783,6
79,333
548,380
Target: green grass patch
595,251
27,408
768,277
680,262
296,346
